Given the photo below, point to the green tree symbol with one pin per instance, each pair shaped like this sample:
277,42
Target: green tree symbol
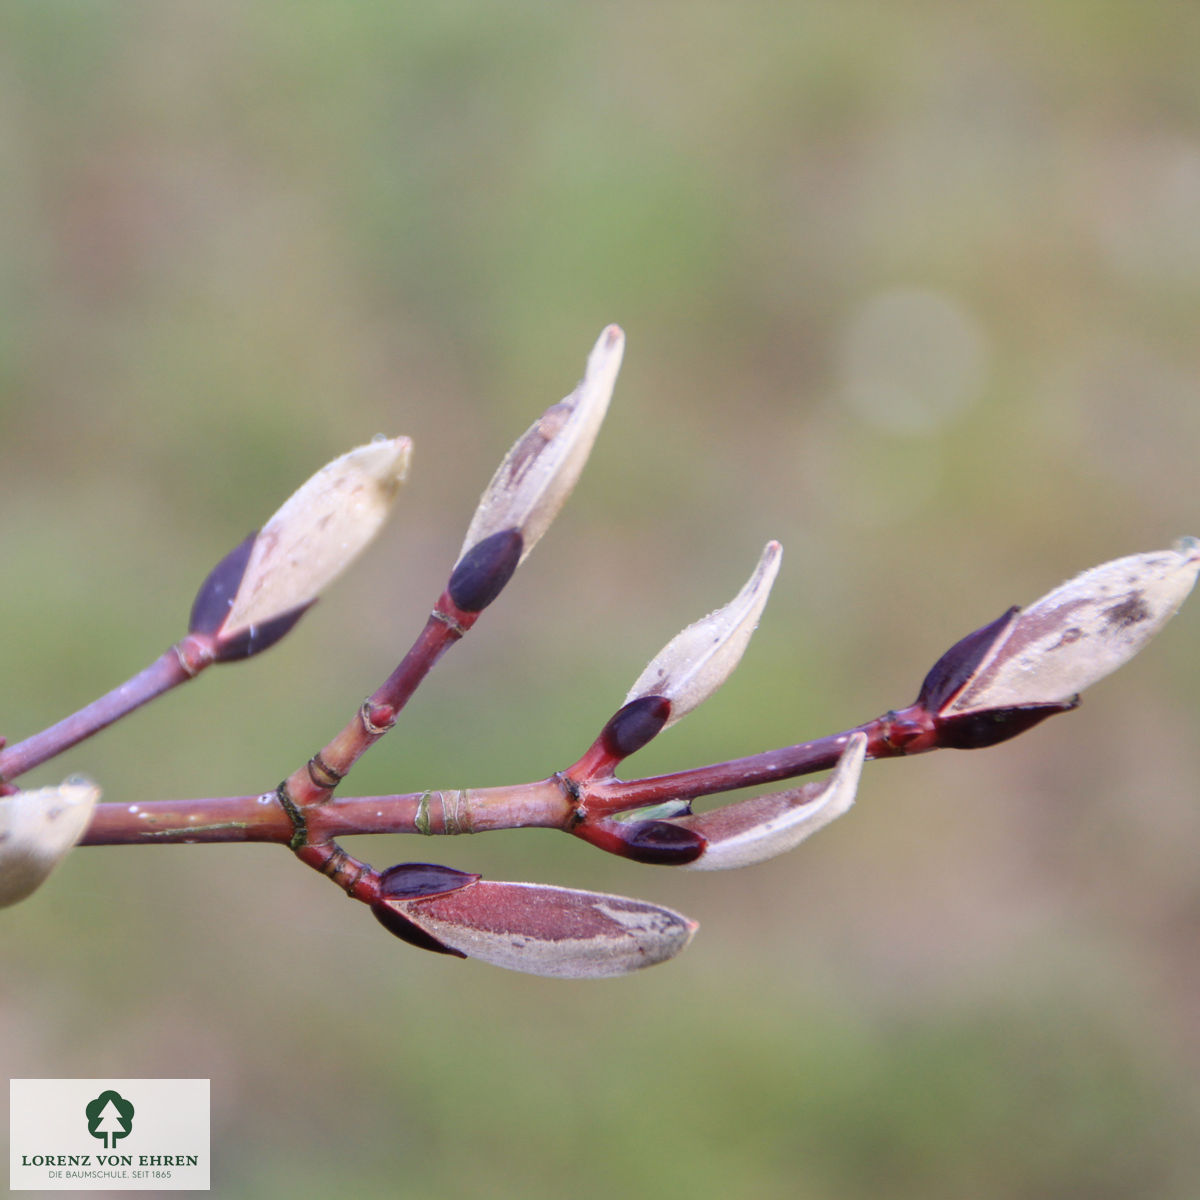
109,1116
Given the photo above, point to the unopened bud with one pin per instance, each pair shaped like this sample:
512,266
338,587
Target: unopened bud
695,663
37,830
482,573
633,725
753,831
541,930
1032,662
262,588
536,477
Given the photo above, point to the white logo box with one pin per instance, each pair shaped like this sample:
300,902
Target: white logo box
109,1135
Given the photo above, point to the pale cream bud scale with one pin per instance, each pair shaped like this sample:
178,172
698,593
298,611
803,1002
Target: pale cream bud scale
539,472
1081,631
37,830
753,831
318,532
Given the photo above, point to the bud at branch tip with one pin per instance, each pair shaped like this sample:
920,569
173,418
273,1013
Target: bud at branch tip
539,472
1044,655
260,589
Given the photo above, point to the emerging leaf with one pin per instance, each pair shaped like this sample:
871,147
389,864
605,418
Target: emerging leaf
539,472
37,830
694,663
753,831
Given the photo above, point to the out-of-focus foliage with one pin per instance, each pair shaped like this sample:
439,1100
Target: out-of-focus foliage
910,287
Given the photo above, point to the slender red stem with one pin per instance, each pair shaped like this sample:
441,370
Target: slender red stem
224,819
605,796
556,803
313,783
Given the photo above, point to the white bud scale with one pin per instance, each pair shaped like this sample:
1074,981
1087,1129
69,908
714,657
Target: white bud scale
37,830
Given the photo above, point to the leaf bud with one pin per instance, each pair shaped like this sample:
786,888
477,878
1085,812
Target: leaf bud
541,930
482,573
258,591
634,725
1032,662
37,830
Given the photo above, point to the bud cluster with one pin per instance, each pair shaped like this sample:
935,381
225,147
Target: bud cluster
996,682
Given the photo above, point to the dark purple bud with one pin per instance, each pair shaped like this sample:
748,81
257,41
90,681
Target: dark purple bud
958,664
635,724
973,731
406,931
664,843
215,597
408,880
256,638
657,842
481,574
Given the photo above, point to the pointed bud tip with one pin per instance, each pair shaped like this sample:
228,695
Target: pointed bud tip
609,345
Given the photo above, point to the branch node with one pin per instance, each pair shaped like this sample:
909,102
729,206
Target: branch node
295,814
343,869
574,793
376,718
456,812
194,653
322,774
421,820
452,623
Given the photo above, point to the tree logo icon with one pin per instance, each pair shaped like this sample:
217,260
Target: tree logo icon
109,1116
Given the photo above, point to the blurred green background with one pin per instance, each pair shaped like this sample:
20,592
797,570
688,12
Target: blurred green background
912,288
